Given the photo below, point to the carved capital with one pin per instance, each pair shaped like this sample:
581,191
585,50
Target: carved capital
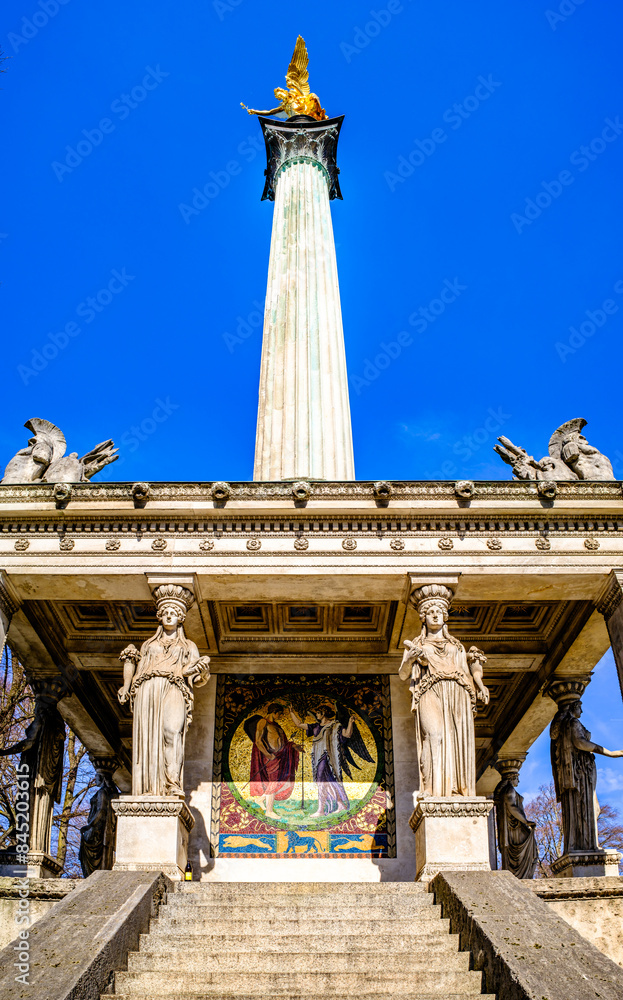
107,764
563,689
415,583
507,766
287,142
612,595
449,808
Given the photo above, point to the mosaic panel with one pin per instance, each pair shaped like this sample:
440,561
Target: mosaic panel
303,767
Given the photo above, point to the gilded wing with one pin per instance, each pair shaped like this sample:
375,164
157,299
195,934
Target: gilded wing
297,77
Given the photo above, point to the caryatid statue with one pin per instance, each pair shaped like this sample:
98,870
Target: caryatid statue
97,837
574,768
445,683
159,683
41,761
516,833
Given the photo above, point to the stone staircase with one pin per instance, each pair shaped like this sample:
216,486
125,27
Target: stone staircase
300,941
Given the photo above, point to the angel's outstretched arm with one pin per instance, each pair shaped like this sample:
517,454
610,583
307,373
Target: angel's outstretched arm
252,111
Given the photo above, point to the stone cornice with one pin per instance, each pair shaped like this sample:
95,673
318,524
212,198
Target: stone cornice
457,806
401,491
612,595
131,805
600,887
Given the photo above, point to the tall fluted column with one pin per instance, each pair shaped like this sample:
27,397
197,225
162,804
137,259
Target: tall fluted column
303,425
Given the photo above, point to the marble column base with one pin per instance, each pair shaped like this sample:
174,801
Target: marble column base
586,864
152,834
451,834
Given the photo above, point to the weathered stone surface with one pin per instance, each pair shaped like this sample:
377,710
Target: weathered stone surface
526,951
451,834
75,947
42,896
594,906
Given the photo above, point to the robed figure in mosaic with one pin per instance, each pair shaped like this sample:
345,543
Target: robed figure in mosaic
575,776
159,683
445,682
274,759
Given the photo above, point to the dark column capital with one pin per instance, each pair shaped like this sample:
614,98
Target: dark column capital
307,139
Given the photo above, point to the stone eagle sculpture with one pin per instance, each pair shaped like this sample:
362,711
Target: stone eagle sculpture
570,457
44,459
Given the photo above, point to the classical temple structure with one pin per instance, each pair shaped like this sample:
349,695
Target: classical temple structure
307,677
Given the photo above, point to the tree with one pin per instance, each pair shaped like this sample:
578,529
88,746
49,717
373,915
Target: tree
545,811
16,712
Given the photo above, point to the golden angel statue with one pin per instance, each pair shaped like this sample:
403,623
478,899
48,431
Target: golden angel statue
297,99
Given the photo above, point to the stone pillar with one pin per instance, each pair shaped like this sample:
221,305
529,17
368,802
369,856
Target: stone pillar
152,834
575,779
451,834
303,425
611,607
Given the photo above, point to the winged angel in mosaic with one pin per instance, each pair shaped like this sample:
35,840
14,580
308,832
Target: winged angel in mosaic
44,459
297,99
335,737
570,457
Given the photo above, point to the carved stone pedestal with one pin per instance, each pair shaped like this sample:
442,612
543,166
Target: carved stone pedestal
152,834
586,864
451,834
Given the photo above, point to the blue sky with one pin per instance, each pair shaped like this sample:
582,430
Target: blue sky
482,147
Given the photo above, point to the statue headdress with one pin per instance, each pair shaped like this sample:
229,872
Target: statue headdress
172,593
432,593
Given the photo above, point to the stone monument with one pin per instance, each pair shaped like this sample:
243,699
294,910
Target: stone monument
44,460
450,821
575,779
570,457
303,424
158,682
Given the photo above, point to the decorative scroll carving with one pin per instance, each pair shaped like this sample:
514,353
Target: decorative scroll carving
611,599
289,141
445,683
151,807
158,682
455,807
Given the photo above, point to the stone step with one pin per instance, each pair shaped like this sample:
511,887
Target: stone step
422,961
306,984
310,900
301,910
373,923
436,936
183,995
299,888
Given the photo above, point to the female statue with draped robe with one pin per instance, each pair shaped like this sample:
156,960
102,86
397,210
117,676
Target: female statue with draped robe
516,833
445,682
575,777
159,683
